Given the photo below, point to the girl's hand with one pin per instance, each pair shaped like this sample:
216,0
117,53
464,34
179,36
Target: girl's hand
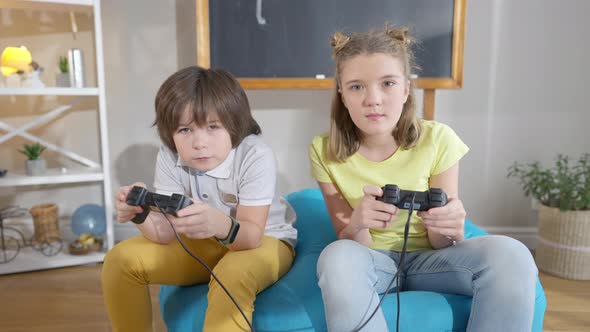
447,220
124,211
371,213
200,221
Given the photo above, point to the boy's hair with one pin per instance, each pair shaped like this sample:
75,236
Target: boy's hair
345,137
202,91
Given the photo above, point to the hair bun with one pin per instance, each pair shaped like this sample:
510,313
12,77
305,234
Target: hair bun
338,41
401,35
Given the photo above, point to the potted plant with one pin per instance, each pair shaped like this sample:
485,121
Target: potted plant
34,164
62,79
563,191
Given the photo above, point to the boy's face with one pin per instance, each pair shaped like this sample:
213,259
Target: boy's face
203,148
374,89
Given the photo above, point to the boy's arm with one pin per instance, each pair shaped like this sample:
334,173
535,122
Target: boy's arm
156,228
257,185
252,221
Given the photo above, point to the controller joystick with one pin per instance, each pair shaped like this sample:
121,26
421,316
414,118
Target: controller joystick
149,201
424,200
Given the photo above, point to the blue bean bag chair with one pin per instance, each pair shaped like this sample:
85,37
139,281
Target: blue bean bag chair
294,303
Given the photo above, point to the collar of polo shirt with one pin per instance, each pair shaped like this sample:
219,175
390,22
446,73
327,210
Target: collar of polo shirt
222,171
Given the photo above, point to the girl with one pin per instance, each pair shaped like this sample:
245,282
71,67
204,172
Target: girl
376,139
238,225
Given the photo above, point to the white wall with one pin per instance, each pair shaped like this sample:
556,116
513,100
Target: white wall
525,69
140,51
524,73
540,108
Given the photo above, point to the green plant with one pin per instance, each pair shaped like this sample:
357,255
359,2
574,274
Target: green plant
63,64
566,185
33,151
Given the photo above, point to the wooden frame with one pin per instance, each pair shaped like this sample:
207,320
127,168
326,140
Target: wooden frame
428,84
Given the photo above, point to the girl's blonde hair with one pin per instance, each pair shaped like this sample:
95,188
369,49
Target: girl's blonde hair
345,137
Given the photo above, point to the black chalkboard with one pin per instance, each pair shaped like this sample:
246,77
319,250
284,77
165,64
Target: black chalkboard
274,40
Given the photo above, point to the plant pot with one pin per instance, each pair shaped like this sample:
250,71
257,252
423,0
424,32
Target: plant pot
36,167
62,80
563,243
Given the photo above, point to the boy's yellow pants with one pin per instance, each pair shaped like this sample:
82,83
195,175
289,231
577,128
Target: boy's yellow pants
134,263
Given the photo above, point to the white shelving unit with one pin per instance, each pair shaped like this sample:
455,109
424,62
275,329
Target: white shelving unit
89,171
30,260
53,176
49,91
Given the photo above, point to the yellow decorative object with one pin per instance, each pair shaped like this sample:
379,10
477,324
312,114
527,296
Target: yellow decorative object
15,59
85,244
86,239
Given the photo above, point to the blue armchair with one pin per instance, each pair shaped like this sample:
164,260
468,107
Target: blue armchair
294,303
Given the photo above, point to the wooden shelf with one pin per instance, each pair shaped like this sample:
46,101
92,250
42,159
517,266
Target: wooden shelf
28,259
48,91
53,176
54,5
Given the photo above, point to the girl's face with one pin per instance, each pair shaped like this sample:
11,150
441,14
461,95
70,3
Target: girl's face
203,148
374,89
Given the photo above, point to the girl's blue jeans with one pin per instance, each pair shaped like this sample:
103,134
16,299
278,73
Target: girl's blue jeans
498,272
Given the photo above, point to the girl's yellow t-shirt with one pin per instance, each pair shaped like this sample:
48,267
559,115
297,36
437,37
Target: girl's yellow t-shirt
438,149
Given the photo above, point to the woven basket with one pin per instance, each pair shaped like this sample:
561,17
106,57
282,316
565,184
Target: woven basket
45,222
563,246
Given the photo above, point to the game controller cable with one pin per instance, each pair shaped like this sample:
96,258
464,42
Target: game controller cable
397,274
204,265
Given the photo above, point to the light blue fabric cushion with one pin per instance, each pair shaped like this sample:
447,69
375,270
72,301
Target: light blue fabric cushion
294,303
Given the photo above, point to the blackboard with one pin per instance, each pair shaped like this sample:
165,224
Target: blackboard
285,43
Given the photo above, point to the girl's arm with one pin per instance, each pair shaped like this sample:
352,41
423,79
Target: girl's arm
354,224
445,224
340,213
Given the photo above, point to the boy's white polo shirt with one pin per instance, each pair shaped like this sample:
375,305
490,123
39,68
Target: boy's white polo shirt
247,176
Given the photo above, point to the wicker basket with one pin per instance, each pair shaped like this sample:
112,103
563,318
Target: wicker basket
46,222
563,246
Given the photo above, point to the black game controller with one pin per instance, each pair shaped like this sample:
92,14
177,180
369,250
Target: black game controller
434,197
149,201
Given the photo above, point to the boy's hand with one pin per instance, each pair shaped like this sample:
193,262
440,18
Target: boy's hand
201,221
371,213
126,212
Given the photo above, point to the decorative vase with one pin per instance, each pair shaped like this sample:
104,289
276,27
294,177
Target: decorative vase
62,80
76,67
563,243
35,167
45,222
